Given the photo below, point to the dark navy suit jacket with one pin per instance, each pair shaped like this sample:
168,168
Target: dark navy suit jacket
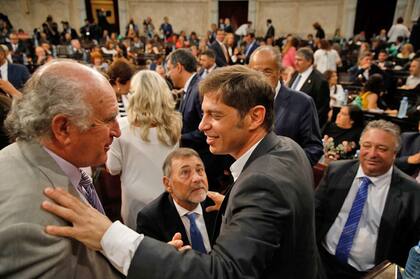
190,109
410,145
220,55
17,75
296,118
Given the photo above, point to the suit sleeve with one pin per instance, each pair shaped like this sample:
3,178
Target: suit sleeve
323,102
321,202
260,205
310,134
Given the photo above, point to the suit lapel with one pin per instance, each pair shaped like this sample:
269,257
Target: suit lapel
174,222
267,143
307,86
389,218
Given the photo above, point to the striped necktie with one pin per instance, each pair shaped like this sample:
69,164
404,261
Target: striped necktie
88,190
296,82
345,242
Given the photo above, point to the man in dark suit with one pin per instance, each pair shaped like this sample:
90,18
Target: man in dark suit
266,219
182,71
17,48
361,72
270,30
222,56
408,159
16,74
185,195
207,62
367,211
295,112
251,45
310,81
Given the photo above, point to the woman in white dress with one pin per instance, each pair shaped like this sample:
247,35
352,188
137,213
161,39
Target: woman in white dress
148,134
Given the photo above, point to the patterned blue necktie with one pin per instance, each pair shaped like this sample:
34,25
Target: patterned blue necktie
88,190
346,239
296,82
195,234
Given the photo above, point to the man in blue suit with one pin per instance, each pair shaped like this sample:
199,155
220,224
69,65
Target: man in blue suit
251,45
16,74
295,112
182,67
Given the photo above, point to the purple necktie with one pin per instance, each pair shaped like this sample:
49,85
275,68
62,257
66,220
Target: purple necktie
88,190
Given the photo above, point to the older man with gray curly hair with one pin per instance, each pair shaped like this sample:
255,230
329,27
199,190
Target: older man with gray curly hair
65,120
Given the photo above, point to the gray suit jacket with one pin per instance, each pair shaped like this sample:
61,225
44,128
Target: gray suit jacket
267,228
26,250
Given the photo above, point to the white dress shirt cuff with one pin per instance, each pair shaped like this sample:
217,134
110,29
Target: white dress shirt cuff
119,245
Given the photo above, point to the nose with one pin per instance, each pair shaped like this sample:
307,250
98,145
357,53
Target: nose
115,130
204,124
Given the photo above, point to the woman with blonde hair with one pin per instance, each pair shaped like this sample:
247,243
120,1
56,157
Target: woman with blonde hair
149,133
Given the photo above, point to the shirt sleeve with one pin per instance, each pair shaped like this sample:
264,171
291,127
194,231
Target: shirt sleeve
119,245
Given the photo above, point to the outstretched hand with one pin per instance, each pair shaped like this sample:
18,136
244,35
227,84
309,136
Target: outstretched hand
89,225
217,198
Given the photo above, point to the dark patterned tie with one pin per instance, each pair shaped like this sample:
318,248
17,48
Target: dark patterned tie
88,190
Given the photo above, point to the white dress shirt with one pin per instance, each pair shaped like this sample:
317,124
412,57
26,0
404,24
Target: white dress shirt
304,76
3,70
199,220
362,253
119,243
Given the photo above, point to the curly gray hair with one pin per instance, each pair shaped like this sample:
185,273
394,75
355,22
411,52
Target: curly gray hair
49,92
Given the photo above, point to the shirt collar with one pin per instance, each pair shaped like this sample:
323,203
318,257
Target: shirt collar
237,167
384,179
187,84
278,87
72,172
182,211
306,73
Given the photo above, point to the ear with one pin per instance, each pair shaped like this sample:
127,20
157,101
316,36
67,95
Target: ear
61,128
256,116
166,182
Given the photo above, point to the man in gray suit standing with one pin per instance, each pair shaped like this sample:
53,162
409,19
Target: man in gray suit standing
64,121
266,220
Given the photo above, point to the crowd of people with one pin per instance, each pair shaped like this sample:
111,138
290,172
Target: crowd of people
215,140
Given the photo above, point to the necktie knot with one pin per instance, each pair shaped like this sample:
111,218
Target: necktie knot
88,190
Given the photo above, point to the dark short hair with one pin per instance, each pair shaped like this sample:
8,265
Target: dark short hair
375,84
120,70
269,20
356,114
241,88
400,20
251,34
181,152
185,58
209,53
307,53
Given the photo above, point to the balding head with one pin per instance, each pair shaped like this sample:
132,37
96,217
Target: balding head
267,60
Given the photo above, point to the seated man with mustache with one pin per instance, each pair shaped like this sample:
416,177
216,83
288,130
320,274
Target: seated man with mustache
182,207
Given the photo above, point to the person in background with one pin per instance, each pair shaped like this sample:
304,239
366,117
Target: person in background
119,74
150,131
326,58
289,52
345,130
98,63
414,78
398,30
371,92
337,94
